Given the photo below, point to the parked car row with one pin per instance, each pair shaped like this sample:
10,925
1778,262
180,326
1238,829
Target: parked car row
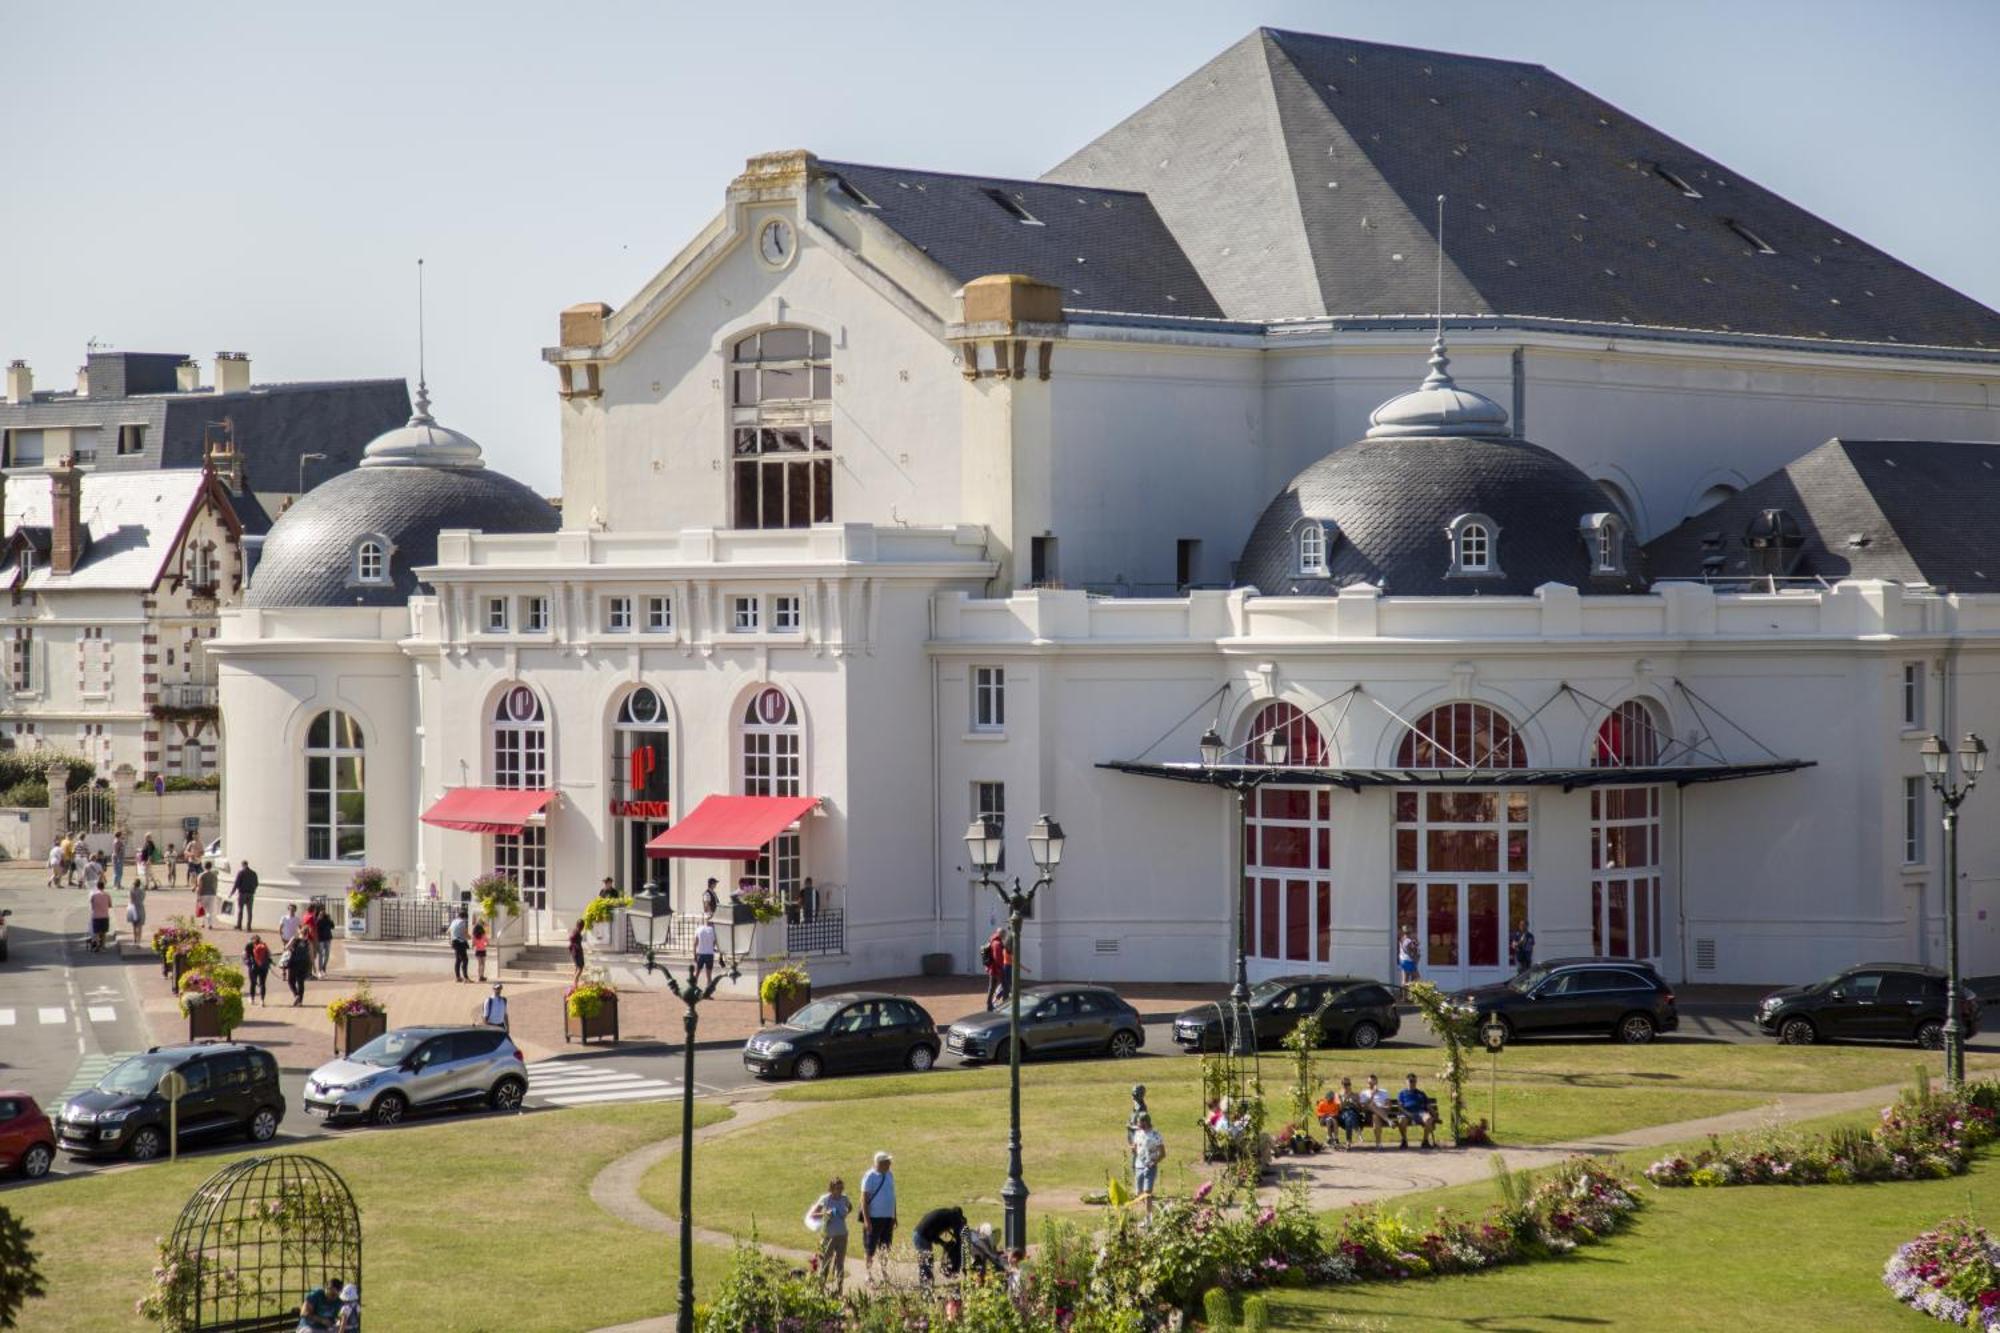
1871,1002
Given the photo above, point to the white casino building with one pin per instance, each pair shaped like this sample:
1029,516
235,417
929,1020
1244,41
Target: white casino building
900,497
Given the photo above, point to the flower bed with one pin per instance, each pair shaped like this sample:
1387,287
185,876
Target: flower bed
588,1000
1951,1273
1923,1135
362,1001
367,885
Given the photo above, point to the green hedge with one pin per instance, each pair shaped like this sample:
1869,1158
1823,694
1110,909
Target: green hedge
18,767
213,782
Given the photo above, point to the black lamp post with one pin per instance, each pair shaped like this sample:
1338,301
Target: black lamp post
1937,767
1277,750
984,845
652,903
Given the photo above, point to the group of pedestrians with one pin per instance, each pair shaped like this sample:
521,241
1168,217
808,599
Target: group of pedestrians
942,1237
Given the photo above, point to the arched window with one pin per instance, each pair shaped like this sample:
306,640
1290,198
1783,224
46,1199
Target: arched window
1630,736
1312,549
1475,549
1305,747
1462,735
1604,538
371,562
1625,867
521,761
771,767
336,803
781,428
640,747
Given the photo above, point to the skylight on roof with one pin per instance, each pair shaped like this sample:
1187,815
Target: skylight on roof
1675,181
848,188
1013,207
1751,238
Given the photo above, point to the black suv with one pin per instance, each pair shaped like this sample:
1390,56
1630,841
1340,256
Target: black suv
1617,997
231,1089
1874,1001
1353,1011
1069,1020
863,1030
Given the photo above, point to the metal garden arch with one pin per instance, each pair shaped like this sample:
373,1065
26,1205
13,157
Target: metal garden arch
256,1237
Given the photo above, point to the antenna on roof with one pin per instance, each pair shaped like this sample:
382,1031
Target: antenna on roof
423,388
1438,309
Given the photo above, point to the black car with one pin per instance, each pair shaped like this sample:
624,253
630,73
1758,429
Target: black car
1073,1020
1353,1011
845,1033
231,1088
1615,997
1873,1001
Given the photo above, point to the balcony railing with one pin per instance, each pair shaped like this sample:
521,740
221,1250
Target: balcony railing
824,931
185,694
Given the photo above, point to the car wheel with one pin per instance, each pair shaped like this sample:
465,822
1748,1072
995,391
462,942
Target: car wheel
1636,1029
920,1058
1930,1035
507,1094
1000,1053
1124,1044
146,1144
1797,1032
36,1161
1364,1036
263,1126
808,1067
389,1108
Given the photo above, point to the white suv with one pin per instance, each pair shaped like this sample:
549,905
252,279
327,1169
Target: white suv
419,1069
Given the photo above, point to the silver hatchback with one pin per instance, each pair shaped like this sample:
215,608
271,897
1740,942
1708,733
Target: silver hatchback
419,1069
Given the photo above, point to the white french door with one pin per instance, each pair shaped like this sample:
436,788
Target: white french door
1462,884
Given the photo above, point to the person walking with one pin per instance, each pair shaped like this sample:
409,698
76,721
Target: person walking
576,953
135,907
257,966
149,862
494,1012
173,858
58,870
1148,1151
831,1211
288,926
298,966
993,957
69,850
939,1229
206,887
1406,959
878,1212
323,942
308,933
191,854
118,853
479,946
245,887
704,958
90,873
100,915
458,933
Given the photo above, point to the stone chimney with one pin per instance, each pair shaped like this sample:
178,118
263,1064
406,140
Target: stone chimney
187,376
83,381
65,516
232,372
20,382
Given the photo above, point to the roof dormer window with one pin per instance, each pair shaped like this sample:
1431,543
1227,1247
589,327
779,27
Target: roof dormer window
1312,550
1604,537
371,561
1475,546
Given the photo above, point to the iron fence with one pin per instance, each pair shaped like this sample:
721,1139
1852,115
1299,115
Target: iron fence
409,918
825,933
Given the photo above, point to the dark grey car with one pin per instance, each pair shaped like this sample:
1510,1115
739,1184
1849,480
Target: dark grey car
1055,1020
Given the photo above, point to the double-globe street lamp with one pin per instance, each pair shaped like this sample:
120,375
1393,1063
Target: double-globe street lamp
1937,767
984,845
652,903
1277,752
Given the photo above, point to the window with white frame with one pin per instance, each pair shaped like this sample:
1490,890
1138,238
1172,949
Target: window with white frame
618,615
1626,883
524,858
520,741
535,617
1913,694
989,801
1312,549
1475,549
781,428
744,615
371,562
989,698
772,740
785,615
1604,537
201,565
659,615
496,615
1913,821
21,660
336,800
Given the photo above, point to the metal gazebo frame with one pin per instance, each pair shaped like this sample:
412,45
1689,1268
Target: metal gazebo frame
261,1233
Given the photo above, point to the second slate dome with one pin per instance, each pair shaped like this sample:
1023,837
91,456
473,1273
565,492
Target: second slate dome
1386,506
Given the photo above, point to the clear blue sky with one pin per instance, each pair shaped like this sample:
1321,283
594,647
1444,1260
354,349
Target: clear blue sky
198,176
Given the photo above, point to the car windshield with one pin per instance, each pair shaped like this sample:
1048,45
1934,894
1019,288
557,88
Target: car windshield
389,1049
816,1015
1528,980
1266,991
137,1076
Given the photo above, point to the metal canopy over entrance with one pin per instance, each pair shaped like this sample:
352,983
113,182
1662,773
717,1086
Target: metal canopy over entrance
1354,779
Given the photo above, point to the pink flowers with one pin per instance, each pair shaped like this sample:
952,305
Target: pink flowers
1207,1188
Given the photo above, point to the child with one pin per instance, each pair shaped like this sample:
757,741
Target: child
350,1310
479,946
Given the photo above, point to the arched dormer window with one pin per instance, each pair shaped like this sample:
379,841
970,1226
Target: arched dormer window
781,428
371,562
1475,545
1604,538
1312,549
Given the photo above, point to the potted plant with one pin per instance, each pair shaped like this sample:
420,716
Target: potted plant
368,884
171,943
357,1020
785,989
212,1002
590,1011
600,916
496,893
755,905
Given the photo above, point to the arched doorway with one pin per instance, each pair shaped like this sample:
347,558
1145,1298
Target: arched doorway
641,784
1626,880
1287,850
1462,853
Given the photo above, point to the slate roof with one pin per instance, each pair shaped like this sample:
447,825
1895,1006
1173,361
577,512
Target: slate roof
1386,504
130,520
1301,173
307,559
275,424
1908,511
1107,249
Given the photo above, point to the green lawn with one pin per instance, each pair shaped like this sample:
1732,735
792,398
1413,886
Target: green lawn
441,1204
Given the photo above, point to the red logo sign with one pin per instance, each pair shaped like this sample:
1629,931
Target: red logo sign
640,809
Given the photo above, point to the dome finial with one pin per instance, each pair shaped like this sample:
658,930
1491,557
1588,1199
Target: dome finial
423,412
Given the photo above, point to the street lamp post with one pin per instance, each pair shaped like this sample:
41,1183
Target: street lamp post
983,844
1937,767
1277,751
303,460
652,902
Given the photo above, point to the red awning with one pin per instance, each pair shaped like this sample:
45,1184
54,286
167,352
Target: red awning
731,828
487,809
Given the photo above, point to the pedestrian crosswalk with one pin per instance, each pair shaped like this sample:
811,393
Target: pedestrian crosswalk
560,1083
88,1070
49,1015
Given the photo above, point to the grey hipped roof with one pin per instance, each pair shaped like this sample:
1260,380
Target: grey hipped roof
1107,249
1301,172
1909,511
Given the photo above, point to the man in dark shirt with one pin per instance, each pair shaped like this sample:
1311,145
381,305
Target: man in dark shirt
321,1308
940,1228
246,894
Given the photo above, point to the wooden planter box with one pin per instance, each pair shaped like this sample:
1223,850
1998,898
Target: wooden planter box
204,1021
603,1027
354,1031
790,1003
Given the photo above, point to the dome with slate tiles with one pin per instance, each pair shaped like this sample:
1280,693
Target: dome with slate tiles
1440,501
359,538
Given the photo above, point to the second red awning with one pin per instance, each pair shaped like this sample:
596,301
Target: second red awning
487,809
731,828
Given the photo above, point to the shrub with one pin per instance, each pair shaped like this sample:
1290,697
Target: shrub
22,766
32,793
20,1271
758,1294
1216,1309
1256,1314
764,905
176,782
587,1000
599,911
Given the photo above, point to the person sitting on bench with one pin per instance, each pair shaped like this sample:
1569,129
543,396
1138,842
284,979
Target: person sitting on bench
1383,1111
1419,1110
